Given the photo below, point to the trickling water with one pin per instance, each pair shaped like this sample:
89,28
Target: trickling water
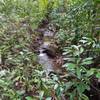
46,62
47,52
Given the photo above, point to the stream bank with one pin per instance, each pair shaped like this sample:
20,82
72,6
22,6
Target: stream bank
49,56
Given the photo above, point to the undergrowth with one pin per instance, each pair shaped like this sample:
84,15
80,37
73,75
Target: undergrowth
21,77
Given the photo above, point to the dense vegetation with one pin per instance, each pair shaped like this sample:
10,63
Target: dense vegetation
76,24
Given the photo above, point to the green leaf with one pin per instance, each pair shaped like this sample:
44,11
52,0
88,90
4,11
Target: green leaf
56,86
70,66
72,95
98,75
87,61
81,87
41,95
81,50
29,98
49,98
78,71
90,72
59,91
68,85
84,97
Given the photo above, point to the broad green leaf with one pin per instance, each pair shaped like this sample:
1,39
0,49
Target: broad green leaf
98,75
70,66
29,98
49,98
90,72
81,87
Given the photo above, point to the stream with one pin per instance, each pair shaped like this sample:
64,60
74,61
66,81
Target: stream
46,62
45,55
47,51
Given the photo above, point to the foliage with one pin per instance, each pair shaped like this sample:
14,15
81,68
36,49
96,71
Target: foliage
21,77
76,21
80,46
78,68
